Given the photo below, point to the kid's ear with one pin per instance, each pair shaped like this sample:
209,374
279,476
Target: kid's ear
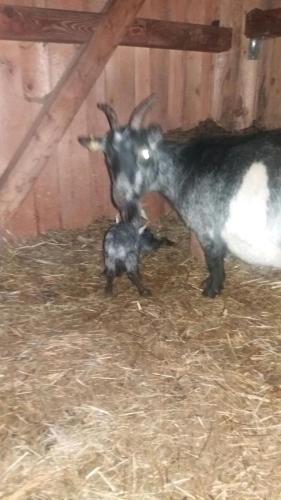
143,213
142,229
155,135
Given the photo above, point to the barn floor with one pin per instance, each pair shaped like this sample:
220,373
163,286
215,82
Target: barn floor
170,397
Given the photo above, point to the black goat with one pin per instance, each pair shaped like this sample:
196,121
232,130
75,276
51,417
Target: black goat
122,245
227,189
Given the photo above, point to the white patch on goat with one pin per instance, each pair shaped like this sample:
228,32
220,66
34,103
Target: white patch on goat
123,186
138,180
145,153
117,136
248,232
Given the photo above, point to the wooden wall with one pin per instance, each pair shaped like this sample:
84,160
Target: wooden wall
269,96
73,189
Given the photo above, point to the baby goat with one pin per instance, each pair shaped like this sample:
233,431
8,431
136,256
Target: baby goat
122,245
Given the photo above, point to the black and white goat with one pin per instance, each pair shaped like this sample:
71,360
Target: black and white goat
227,189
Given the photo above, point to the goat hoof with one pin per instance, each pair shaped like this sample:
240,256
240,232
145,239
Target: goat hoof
209,290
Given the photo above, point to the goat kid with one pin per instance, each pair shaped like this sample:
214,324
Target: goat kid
123,243
121,250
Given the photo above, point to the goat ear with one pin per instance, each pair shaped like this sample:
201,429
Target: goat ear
142,229
155,135
143,213
92,143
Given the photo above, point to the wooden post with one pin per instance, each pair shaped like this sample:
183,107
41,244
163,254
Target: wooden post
263,23
62,105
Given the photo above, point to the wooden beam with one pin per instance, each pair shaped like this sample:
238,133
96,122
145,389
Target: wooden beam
263,23
65,26
62,105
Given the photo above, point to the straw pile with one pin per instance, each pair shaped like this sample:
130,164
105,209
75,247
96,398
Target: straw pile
171,397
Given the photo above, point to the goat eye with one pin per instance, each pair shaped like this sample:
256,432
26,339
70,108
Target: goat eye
145,154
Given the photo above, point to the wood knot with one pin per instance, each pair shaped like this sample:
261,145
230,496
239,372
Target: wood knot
9,11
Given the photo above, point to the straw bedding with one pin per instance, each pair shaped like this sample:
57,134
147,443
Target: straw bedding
174,397
170,397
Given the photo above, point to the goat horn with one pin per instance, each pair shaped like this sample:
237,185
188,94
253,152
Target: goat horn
139,112
110,115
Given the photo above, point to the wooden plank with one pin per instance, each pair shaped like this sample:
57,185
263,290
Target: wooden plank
263,23
82,213
62,105
248,79
269,102
16,115
97,125
194,86
158,70
36,86
224,109
65,26
74,184
24,223
61,159
119,82
176,78
208,62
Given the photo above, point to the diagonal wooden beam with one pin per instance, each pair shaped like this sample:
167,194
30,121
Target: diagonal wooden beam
263,23
62,105
66,26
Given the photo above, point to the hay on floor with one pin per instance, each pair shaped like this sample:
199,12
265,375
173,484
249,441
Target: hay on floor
171,397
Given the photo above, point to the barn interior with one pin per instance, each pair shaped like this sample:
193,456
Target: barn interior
170,397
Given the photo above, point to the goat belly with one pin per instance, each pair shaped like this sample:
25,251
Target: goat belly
250,232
